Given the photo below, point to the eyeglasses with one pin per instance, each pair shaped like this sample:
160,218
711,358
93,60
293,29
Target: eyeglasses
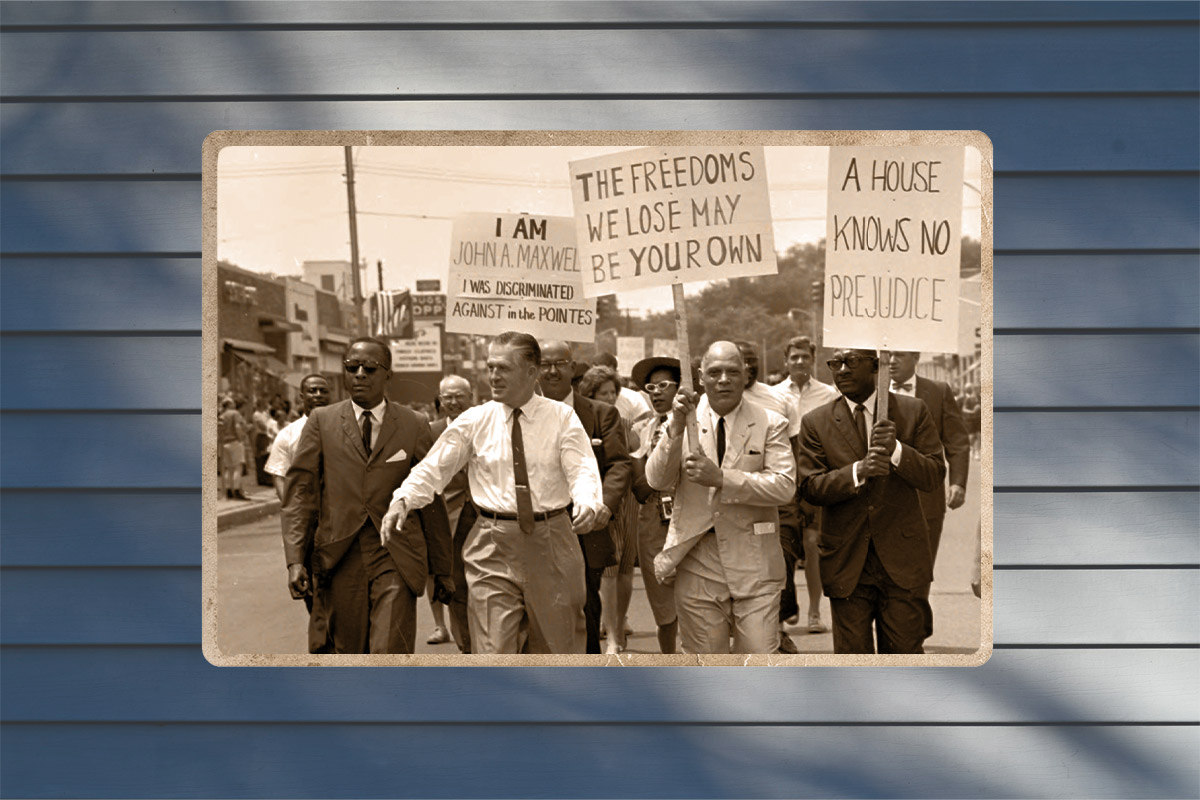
454,397
561,366
369,366
849,362
661,386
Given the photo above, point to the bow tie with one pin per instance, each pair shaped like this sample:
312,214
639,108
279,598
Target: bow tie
902,387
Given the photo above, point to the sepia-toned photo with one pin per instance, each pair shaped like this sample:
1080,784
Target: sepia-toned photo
587,398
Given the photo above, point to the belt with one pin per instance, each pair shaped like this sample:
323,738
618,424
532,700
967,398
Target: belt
540,516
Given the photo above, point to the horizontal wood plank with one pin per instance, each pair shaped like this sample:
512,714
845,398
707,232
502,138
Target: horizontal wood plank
1033,448
106,294
1096,291
354,760
146,451
1032,607
130,294
176,684
757,61
138,529
1061,134
1090,528
621,12
110,372
127,372
1041,213
1137,448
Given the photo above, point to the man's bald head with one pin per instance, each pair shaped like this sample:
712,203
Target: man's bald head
723,375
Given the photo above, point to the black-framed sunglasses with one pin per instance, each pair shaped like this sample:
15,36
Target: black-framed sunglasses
850,362
370,366
660,386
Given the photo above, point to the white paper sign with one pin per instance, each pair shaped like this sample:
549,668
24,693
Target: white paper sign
421,353
663,215
667,348
520,273
630,350
893,247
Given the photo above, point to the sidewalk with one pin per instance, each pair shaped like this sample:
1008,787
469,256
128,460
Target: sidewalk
262,503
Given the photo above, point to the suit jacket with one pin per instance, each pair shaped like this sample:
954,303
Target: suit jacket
956,442
333,489
759,475
603,426
885,510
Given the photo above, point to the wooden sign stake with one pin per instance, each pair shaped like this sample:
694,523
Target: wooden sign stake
883,387
685,362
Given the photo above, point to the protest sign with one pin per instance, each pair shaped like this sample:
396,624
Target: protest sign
892,249
667,348
421,353
517,272
669,215
630,350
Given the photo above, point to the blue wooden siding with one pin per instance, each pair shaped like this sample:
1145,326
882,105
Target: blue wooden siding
1094,112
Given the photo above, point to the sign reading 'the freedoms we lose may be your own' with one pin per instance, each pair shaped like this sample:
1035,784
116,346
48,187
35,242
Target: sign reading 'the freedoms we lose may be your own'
893,248
662,215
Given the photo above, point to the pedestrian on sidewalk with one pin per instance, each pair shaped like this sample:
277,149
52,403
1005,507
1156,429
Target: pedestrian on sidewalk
231,434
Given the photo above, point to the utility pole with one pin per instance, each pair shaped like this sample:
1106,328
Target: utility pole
379,267
358,295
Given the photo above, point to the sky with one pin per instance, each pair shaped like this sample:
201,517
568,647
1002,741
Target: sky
280,206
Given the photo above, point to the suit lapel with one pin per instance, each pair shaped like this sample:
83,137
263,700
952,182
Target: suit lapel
387,431
352,431
587,419
845,425
739,436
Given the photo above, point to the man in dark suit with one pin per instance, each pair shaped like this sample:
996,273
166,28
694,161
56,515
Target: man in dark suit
454,397
603,426
876,565
952,430
349,459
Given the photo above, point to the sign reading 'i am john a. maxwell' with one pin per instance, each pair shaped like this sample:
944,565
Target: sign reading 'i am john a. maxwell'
662,215
893,247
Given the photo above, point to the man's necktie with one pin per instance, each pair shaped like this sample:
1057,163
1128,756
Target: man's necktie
860,422
367,417
521,476
720,440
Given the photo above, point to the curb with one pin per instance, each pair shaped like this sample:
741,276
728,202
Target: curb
248,513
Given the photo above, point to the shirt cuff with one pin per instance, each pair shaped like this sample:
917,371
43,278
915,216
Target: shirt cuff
854,474
896,455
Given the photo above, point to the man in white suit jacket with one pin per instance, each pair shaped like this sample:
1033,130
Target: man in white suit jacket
722,546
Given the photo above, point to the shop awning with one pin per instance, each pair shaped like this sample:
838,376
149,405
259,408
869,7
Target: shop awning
273,323
247,346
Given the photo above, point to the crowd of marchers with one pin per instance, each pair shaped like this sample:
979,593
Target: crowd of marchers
525,517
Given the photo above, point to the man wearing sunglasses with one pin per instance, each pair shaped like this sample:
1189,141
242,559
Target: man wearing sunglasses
535,485
876,564
349,459
602,423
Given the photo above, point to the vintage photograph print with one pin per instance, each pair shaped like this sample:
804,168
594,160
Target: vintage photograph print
585,398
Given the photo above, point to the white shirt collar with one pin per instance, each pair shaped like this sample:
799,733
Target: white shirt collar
528,410
730,418
376,411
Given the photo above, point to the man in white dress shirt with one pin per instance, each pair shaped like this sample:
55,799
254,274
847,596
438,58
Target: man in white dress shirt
314,393
809,393
535,483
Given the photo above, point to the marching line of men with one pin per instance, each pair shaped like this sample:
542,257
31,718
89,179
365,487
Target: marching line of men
502,511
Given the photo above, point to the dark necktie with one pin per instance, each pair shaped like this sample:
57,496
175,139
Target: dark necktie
720,440
658,429
860,422
367,416
521,476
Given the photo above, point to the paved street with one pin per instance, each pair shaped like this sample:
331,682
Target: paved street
257,615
